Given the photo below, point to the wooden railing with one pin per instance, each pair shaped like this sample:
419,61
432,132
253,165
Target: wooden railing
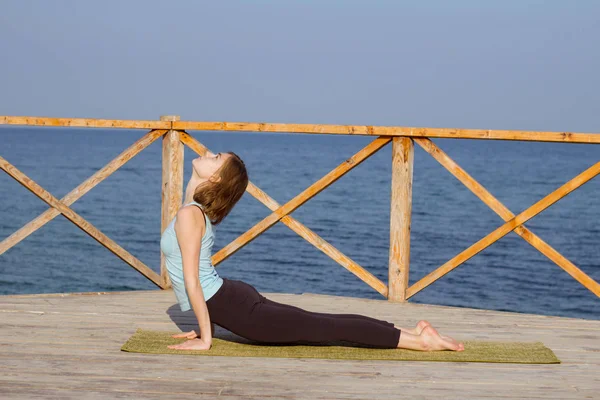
174,137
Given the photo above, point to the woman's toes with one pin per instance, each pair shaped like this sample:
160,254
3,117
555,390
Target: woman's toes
456,345
452,344
460,345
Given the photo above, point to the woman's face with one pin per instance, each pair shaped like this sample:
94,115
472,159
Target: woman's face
206,166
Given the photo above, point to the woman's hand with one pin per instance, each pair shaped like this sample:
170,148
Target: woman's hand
194,344
187,335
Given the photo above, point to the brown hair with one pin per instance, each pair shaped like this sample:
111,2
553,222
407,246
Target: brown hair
218,198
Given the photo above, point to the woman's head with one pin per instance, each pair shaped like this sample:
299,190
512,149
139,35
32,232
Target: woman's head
225,181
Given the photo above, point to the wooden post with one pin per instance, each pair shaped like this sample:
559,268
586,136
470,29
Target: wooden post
172,184
400,218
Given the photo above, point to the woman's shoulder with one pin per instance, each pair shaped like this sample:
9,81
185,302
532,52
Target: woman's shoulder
191,214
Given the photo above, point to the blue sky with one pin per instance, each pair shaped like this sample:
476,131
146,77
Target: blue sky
518,64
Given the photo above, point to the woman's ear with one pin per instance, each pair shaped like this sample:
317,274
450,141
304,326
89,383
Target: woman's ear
215,178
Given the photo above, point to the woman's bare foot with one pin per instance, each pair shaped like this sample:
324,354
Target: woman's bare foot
428,340
432,340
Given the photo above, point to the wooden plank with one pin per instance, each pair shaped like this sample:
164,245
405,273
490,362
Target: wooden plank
357,368
484,195
400,218
306,233
300,199
373,130
18,392
341,375
505,228
341,371
306,371
83,122
79,221
81,189
289,383
59,393
369,130
172,185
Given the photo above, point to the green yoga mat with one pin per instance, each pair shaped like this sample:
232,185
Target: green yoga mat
156,342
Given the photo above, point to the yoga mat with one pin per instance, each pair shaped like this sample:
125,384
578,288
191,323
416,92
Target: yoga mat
156,342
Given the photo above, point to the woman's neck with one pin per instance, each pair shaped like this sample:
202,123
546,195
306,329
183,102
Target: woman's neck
191,188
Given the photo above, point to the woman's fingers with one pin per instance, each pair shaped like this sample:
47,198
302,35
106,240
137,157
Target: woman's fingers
187,335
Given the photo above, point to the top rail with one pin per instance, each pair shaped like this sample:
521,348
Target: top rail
365,130
85,122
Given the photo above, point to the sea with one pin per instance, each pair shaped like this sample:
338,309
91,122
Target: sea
353,214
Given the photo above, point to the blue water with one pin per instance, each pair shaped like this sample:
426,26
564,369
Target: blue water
352,214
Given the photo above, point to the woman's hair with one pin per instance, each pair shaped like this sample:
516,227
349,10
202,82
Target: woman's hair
218,198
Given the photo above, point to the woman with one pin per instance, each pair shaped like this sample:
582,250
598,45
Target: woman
218,181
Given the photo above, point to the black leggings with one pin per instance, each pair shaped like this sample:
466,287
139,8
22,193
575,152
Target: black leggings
239,308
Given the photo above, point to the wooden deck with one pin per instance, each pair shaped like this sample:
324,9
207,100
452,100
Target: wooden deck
68,346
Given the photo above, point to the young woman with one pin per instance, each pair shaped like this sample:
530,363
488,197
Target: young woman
217,183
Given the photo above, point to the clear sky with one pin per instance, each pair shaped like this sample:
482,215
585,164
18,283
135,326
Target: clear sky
509,64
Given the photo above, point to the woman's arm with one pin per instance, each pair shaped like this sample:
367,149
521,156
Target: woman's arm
189,228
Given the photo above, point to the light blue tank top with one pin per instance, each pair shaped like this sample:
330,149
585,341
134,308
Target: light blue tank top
210,281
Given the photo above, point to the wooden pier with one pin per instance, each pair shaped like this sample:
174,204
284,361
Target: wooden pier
67,346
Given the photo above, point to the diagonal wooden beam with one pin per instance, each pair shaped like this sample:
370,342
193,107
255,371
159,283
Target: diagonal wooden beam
79,221
500,209
324,246
505,228
302,230
82,189
301,198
